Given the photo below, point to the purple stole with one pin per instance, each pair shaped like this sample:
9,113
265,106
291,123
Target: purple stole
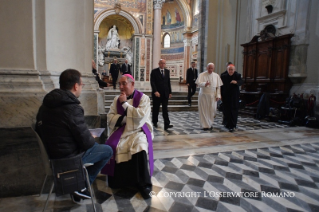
114,139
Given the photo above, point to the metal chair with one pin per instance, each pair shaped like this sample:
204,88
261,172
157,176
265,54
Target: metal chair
48,171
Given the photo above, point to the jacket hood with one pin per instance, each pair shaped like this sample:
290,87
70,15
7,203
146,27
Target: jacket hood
59,97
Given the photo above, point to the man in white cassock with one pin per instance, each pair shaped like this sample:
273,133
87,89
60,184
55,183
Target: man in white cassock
131,138
209,93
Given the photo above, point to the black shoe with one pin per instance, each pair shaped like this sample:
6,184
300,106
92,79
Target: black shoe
206,129
168,126
231,130
190,105
154,125
76,199
83,194
145,191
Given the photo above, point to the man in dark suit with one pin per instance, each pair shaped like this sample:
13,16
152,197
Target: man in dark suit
114,70
126,68
191,76
161,92
230,96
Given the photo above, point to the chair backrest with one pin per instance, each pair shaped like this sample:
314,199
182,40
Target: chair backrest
44,154
68,174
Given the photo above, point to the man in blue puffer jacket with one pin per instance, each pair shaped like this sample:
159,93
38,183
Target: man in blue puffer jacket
61,125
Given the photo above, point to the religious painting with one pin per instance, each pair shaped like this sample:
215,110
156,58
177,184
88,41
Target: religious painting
172,15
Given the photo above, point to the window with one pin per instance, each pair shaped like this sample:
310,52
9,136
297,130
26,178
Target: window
167,41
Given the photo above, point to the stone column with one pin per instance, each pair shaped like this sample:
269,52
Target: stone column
187,56
34,52
157,32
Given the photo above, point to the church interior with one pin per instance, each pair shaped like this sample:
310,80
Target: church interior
271,161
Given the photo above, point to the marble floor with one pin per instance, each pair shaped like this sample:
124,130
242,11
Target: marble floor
262,166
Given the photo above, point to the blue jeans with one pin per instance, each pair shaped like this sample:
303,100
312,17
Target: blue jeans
99,154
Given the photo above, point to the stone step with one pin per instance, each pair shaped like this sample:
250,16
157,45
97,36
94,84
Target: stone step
178,102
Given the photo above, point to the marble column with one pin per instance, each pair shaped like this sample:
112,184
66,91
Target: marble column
187,56
157,32
34,52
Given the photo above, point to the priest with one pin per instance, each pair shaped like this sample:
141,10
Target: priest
209,93
131,139
230,96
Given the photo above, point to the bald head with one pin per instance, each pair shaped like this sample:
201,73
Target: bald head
162,63
231,69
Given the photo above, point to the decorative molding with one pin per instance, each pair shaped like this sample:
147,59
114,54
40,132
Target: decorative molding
137,26
195,40
187,42
277,19
158,4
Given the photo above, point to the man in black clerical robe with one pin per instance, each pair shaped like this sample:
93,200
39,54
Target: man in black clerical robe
230,96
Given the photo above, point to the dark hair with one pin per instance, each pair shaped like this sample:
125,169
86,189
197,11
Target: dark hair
68,78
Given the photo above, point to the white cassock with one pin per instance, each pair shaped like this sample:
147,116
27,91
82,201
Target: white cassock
207,104
133,139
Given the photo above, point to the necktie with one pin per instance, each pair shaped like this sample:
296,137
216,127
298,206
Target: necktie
162,73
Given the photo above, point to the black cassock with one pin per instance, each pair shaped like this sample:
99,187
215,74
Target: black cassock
230,98
131,173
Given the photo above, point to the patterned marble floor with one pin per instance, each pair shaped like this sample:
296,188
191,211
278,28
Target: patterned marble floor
272,168
187,122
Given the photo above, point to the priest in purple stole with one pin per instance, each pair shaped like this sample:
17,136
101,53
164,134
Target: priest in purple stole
131,135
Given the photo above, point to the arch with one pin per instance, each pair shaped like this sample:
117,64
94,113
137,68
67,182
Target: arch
138,29
186,13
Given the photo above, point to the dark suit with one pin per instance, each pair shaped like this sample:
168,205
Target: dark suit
230,97
191,76
114,70
123,69
163,86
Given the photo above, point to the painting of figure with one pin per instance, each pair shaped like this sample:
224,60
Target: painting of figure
168,18
177,16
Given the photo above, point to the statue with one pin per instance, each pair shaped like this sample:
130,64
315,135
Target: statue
113,39
128,54
101,56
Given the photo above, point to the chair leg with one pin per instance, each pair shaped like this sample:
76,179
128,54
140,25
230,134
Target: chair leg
91,190
46,203
45,179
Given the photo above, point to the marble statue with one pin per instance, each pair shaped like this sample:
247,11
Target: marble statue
113,39
129,54
101,55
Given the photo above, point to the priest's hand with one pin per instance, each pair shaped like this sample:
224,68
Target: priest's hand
217,99
207,84
233,82
170,96
157,94
187,84
122,97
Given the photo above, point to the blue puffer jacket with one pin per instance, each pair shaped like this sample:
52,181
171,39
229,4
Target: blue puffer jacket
61,125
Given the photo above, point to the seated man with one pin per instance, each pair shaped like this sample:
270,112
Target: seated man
101,83
131,139
60,124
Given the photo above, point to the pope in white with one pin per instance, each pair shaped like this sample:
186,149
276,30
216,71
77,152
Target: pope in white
209,93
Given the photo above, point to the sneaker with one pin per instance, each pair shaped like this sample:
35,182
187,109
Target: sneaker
83,194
